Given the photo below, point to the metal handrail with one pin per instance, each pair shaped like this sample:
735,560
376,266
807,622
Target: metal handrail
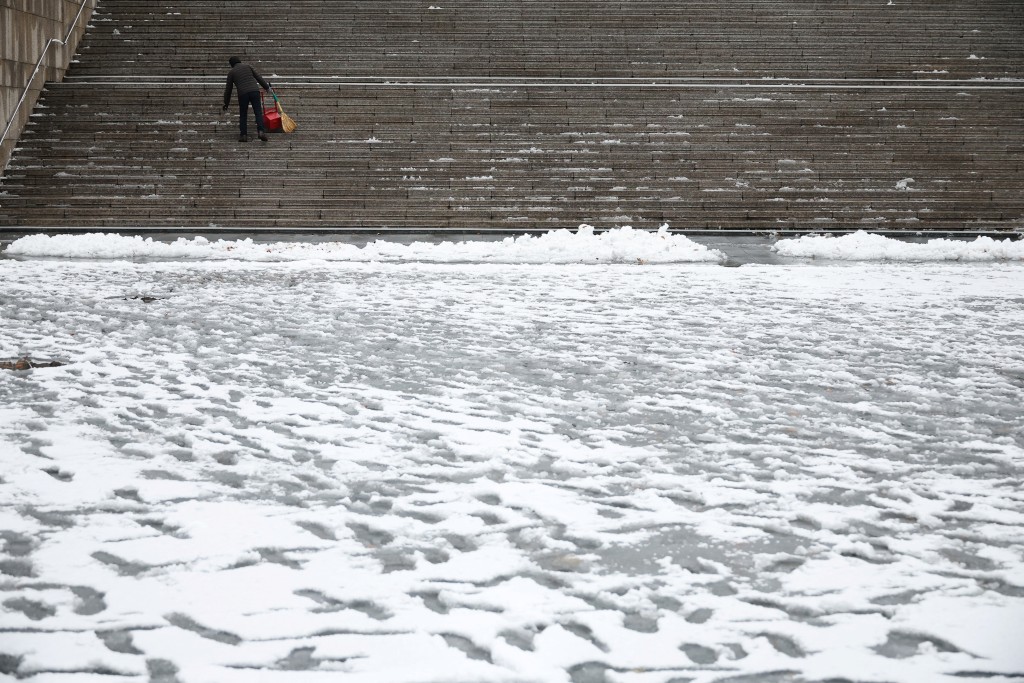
35,72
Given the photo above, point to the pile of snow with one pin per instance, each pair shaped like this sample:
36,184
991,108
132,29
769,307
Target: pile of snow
622,245
863,246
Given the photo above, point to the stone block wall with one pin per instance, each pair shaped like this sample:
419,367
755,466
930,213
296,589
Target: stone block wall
26,26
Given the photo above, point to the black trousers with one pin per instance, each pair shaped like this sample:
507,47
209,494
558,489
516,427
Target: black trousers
249,98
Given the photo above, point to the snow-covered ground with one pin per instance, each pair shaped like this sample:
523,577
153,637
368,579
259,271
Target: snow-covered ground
585,245
591,458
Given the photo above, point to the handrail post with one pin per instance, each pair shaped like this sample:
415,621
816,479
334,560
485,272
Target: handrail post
5,154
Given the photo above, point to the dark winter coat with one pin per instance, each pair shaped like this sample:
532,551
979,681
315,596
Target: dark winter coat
245,78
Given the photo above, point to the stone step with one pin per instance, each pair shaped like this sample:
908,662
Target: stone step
636,38
495,147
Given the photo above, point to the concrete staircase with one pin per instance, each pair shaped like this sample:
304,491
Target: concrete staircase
762,115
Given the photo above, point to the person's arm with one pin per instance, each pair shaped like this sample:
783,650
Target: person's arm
227,91
259,79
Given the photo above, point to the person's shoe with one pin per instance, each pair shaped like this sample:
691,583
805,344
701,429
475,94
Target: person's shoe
243,138
264,138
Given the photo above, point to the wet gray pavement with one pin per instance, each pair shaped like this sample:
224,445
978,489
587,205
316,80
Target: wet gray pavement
290,471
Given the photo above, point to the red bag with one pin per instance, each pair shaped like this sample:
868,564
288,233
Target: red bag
271,119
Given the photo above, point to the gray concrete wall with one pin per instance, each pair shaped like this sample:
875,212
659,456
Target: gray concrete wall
25,28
